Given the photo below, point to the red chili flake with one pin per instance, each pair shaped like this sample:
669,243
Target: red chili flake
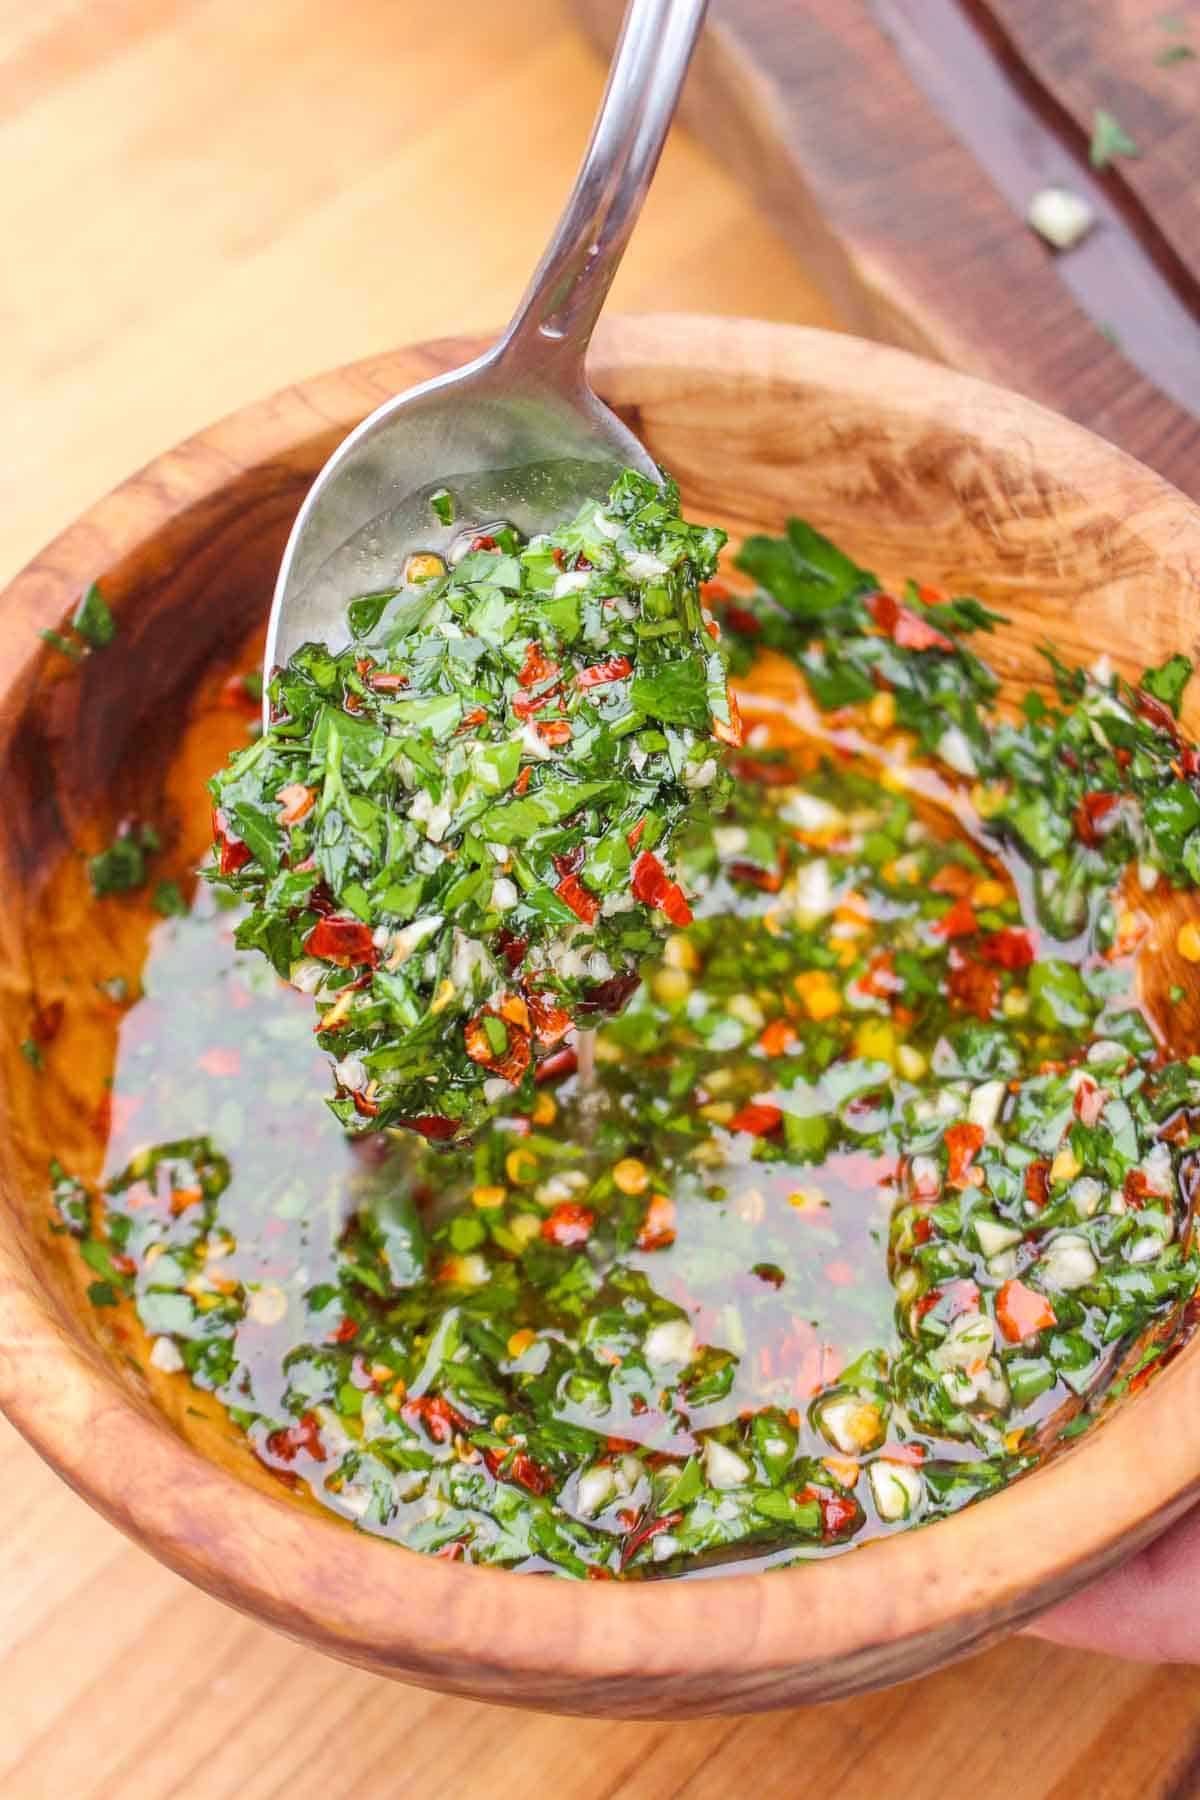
657,1229
972,986
1037,1184
232,853
838,1513
758,1117
732,733
1090,1102
569,1224
537,667
633,838
296,802
345,1332
342,941
485,541
906,628
960,921
768,881
1155,712
290,1440
554,731
963,1142
600,674
514,1059
563,1062
47,1021
776,1038
1088,817
521,1468
550,1022
879,979
653,887
435,1128
523,780
218,1061
581,901
912,1454
440,1419
1007,948
644,1532
387,681
476,716
511,947
840,1274
1021,1311
952,878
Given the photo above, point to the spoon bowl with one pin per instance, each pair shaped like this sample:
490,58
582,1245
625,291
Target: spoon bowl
516,434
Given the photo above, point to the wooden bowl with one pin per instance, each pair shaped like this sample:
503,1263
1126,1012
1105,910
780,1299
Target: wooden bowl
914,469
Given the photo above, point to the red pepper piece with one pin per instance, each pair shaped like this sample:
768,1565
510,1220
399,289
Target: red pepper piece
653,887
511,947
1007,948
476,716
435,1413
563,1062
550,1022
435,1128
485,541
232,853
641,1534
581,901
963,1142
514,1059
734,733
1021,1312
1037,1184
554,732
304,1435
521,1468
345,1332
342,941
906,628
838,1513
296,802
537,667
1090,1102
633,838
523,779
960,921
600,674
569,1224
657,1229
387,681
757,1117
972,986
1155,712
1089,816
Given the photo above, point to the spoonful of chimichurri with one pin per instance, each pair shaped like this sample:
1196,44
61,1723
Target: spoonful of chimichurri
516,434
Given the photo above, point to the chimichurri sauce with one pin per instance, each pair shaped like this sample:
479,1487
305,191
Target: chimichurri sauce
880,1189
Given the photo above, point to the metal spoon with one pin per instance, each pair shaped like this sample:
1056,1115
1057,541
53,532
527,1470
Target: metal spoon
517,434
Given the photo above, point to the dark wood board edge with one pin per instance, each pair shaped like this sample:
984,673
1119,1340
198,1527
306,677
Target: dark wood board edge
809,105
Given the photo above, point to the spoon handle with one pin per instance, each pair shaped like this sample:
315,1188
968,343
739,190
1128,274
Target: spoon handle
554,322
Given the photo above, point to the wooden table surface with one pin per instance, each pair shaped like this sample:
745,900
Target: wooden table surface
199,201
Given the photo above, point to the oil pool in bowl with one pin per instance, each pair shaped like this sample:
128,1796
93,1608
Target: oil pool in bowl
879,1192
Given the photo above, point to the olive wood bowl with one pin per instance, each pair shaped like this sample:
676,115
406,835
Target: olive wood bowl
915,470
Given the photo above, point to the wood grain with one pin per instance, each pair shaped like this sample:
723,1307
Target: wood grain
914,469
809,103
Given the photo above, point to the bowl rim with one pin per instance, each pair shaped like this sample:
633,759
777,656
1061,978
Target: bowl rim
907,1601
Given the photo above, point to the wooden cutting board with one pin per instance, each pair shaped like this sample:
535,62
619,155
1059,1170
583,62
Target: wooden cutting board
898,144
